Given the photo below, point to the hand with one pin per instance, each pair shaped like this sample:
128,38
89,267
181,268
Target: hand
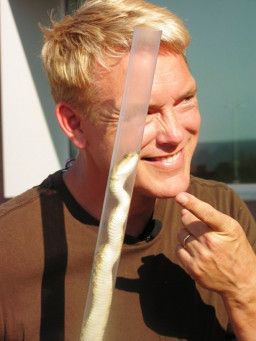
217,255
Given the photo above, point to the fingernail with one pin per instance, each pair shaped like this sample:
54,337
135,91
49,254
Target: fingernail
182,199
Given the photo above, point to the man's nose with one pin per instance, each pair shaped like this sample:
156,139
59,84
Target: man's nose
170,129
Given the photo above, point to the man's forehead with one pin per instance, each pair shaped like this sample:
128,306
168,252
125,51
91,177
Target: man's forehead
171,71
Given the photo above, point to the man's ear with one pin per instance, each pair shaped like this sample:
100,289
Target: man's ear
70,122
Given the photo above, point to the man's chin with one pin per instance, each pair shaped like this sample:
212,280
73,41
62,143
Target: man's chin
172,188
163,188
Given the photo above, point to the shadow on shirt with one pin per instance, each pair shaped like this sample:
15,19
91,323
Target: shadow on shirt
170,302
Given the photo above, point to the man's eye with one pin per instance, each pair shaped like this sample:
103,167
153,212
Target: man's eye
184,100
187,99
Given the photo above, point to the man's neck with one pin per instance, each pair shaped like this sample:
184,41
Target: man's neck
84,189
90,195
141,212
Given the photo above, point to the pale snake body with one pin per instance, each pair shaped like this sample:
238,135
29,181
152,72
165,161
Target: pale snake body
108,254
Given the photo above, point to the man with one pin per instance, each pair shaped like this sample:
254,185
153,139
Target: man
167,289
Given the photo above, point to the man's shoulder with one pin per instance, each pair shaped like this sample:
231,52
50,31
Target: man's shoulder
30,199
23,200
220,196
199,184
214,192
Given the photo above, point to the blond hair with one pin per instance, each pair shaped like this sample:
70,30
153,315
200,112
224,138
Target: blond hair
98,30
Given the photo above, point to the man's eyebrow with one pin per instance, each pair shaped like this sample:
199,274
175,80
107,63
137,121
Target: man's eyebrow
191,91
187,93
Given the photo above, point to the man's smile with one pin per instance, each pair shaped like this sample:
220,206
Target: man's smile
169,159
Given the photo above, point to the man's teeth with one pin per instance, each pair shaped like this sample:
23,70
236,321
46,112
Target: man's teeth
169,159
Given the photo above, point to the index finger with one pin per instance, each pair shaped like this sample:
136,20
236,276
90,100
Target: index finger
216,220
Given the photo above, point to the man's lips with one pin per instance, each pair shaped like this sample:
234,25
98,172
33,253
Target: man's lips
164,159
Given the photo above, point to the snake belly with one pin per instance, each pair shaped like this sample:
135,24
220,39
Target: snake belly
108,254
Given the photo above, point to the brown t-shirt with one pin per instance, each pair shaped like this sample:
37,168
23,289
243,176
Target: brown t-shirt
47,245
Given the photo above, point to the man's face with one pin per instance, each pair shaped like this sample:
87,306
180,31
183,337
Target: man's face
171,130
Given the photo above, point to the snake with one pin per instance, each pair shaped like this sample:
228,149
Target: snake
109,252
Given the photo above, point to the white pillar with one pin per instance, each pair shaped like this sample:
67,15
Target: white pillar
33,144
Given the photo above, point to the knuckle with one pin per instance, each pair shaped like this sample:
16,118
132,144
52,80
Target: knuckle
204,256
195,272
210,242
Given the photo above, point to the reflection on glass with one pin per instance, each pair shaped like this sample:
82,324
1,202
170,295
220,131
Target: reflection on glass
230,162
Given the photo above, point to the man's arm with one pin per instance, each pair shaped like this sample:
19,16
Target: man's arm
219,257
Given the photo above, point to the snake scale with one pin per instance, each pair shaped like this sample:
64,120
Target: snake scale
108,254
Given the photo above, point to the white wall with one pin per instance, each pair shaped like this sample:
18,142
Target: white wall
33,145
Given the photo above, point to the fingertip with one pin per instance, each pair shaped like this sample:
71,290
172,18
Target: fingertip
182,198
184,211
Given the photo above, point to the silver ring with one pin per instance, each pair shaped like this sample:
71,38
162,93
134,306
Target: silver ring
185,239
